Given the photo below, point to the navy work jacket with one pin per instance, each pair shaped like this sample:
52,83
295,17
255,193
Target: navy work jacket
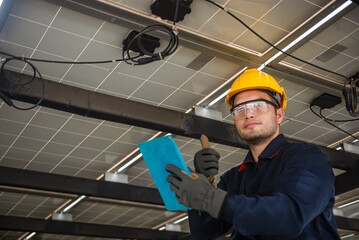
288,194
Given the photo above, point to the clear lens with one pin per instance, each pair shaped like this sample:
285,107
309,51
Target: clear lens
254,106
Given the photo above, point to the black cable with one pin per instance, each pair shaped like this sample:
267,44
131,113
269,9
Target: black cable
350,97
132,60
6,99
60,62
311,108
273,46
171,47
336,120
176,13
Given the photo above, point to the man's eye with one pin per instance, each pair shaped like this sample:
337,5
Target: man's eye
239,109
257,104
252,105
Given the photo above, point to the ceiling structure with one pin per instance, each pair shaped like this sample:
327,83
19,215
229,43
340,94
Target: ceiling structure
69,140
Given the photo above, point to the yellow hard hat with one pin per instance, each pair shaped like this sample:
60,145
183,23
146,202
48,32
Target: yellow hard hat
253,79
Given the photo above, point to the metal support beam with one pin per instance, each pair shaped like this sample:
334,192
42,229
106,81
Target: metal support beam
347,223
97,105
20,178
66,184
54,183
347,181
12,223
101,106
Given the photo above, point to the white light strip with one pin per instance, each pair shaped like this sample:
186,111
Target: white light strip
175,222
1,2
180,220
73,204
30,236
339,148
346,236
309,31
263,65
218,98
348,204
129,163
355,140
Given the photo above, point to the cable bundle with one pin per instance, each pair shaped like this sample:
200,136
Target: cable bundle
171,47
6,98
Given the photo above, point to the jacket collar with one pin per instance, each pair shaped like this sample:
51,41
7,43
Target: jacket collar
272,149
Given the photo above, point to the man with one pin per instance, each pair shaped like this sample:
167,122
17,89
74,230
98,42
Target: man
281,190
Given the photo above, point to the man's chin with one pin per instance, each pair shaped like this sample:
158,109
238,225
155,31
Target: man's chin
250,137
253,138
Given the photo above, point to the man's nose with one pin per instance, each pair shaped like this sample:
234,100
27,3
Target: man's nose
249,113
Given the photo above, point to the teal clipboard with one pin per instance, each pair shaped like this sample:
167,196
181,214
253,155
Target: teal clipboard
157,153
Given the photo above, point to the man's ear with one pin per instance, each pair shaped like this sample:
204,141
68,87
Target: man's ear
280,115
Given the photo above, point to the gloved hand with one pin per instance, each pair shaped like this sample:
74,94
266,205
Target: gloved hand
195,191
206,162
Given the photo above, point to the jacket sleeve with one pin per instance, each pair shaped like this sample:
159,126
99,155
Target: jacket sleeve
205,227
301,192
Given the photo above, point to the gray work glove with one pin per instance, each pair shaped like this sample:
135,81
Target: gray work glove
206,162
195,191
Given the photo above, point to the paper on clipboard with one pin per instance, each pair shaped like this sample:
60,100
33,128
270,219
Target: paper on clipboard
157,153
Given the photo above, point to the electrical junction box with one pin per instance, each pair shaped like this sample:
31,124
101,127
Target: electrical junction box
166,9
149,43
326,101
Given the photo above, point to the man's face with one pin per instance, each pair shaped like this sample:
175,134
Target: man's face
256,127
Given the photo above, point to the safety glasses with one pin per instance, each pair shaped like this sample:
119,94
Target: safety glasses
256,106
